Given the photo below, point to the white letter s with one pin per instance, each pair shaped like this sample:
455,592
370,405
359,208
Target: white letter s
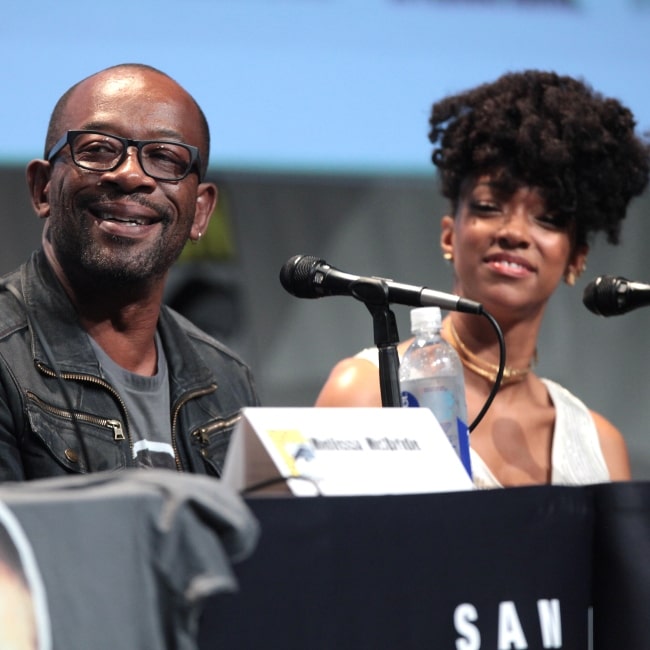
464,614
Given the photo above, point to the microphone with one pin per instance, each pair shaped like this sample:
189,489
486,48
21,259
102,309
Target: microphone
305,276
610,296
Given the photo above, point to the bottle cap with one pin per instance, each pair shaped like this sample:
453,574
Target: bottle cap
425,318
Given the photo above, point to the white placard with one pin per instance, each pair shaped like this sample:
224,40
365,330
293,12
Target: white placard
342,451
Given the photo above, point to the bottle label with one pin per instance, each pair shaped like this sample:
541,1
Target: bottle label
442,402
463,445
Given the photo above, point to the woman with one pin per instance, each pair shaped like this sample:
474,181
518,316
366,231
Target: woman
533,164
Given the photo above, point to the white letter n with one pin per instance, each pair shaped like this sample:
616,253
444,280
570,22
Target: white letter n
550,622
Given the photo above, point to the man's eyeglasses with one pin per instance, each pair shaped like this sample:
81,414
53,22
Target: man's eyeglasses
103,152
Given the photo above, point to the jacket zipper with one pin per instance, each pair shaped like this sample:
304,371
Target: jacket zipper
204,432
115,425
183,400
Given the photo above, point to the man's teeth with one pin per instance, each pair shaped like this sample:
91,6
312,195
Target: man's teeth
131,221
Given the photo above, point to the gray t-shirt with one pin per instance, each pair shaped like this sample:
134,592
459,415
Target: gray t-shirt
147,405
127,559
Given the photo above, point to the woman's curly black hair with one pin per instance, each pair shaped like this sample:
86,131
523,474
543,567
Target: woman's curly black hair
549,131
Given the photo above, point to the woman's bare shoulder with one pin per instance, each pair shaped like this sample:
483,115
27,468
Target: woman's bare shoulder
614,448
353,381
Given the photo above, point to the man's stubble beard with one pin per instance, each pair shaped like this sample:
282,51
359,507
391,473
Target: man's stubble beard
111,268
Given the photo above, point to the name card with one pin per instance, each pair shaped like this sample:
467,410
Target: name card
342,451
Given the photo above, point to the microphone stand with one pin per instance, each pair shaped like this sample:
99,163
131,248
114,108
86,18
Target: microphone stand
373,292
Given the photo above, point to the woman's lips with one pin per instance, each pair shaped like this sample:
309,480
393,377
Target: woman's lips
509,265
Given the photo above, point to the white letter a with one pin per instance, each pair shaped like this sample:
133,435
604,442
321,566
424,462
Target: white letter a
511,634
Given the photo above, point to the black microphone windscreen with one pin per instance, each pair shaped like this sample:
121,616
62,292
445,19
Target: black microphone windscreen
296,274
602,296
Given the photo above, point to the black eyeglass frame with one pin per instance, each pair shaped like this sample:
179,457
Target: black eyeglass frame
69,137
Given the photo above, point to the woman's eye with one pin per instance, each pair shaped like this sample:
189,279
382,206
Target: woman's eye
556,222
484,207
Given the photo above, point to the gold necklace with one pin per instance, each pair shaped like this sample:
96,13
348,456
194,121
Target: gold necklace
484,368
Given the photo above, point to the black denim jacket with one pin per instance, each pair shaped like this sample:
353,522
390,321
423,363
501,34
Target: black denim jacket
58,415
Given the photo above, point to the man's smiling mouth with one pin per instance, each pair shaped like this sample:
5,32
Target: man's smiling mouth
131,221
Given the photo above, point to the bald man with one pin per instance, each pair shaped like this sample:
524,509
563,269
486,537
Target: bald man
96,373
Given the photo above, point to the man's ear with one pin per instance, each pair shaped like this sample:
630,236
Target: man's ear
38,181
206,202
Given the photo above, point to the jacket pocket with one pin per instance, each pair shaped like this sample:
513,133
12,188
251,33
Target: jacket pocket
80,442
213,439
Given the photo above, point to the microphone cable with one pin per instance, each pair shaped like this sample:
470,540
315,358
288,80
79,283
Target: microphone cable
502,364
260,485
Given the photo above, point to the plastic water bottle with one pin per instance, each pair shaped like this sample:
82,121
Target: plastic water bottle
431,375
